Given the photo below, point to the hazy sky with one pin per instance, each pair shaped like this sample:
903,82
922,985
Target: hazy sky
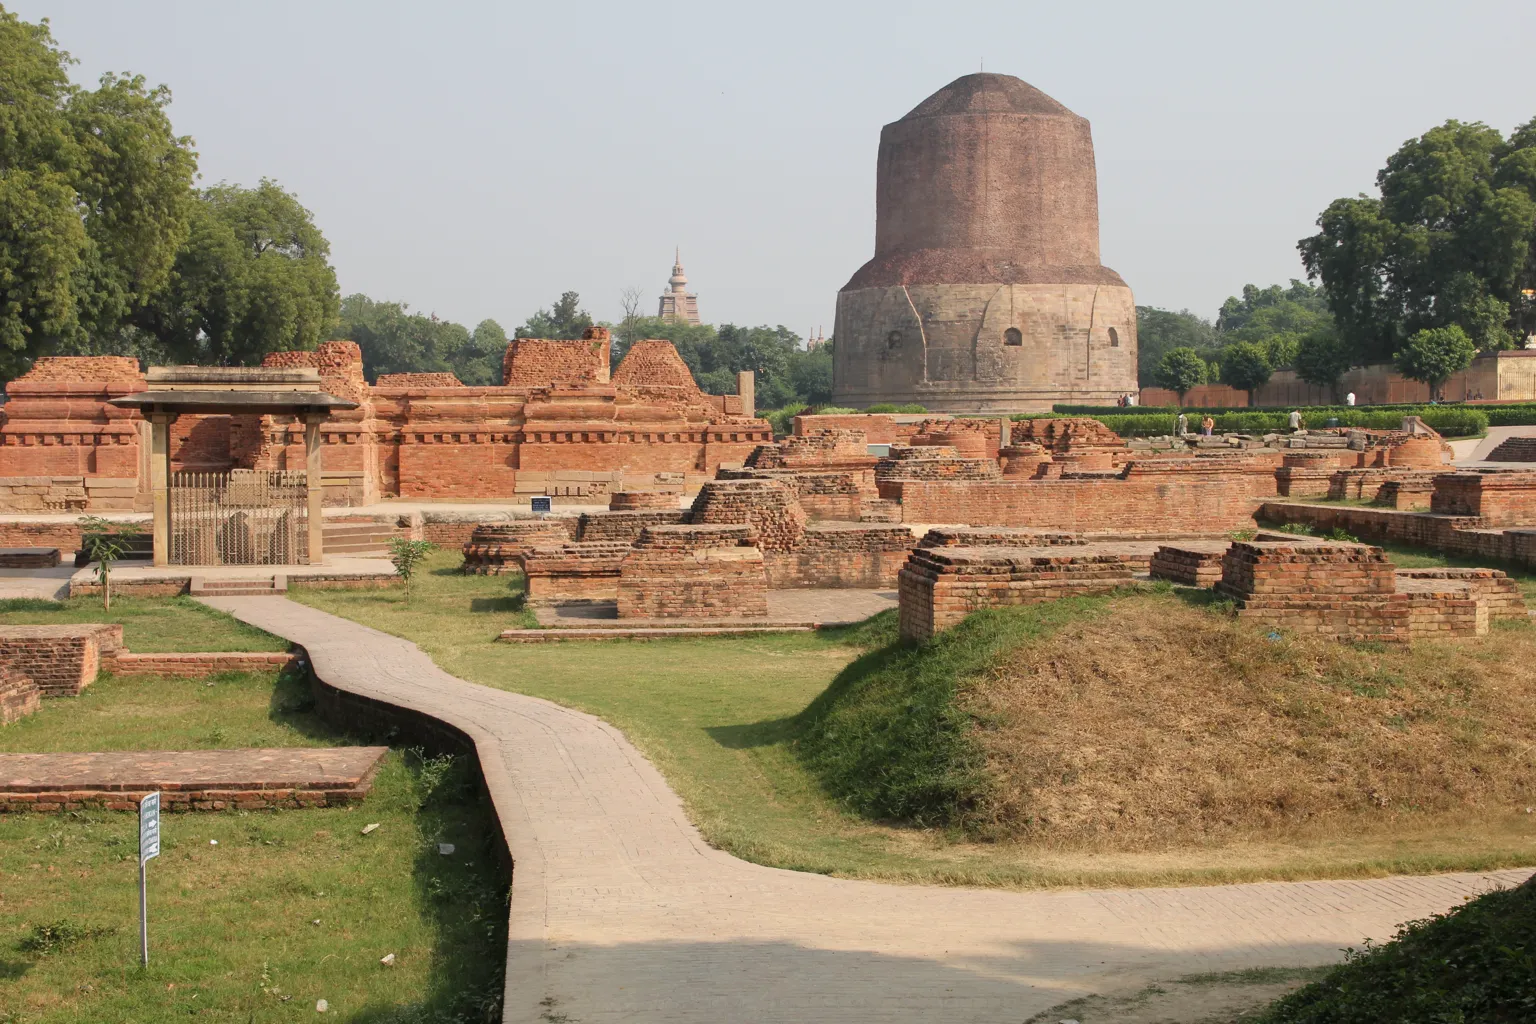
476,159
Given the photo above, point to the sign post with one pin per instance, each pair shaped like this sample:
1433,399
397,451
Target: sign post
149,846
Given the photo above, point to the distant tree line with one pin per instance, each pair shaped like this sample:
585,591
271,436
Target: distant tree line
1439,267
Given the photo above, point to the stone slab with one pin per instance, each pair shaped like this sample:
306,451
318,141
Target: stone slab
189,779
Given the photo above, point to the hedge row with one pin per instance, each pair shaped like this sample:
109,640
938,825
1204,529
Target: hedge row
1521,414
1450,421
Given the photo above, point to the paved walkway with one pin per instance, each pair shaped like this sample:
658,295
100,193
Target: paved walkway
621,912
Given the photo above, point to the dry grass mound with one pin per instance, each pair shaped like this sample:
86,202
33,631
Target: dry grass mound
1161,722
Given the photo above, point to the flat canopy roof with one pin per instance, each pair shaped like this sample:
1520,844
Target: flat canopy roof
223,401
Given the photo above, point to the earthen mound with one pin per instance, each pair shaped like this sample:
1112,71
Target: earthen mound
1142,722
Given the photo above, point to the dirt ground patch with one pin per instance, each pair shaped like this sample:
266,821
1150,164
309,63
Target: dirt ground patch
1226,998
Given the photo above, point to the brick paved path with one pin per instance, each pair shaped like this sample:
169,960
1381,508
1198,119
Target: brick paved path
620,911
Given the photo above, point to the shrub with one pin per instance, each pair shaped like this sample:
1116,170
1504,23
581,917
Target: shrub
1476,963
890,407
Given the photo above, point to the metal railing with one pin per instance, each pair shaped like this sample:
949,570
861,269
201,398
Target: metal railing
242,517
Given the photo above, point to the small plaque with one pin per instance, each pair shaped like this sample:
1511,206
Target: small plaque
149,827
543,504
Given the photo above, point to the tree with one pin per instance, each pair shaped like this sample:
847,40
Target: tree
395,340
1159,330
254,277
1180,370
1245,366
95,193
1451,241
565,320
407,556
103,543
1433,355
1321,359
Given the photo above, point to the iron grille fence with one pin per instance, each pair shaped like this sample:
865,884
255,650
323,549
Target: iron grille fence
242,517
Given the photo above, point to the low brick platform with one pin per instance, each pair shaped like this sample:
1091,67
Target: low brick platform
575,571
1191,563
624,527
28,558
196,665
996,536
549,636
940,586
1351,592
189,780
702,584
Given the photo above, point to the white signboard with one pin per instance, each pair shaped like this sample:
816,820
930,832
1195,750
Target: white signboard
149,827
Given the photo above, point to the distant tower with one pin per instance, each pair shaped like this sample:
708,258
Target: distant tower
679,304
816,341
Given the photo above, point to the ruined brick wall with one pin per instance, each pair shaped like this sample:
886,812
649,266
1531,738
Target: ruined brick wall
938,587
536,362
768,506
826,448
651,364
417,380
574,571
1062,434
824,496
194,665
60,660
708,584
877,428
1156,496
624,527
838,555
494,549
1498,497
637,501
19,695
63,447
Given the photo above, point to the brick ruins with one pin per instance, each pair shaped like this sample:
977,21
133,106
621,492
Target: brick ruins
559,426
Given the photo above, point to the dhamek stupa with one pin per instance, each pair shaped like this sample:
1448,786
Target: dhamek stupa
985,293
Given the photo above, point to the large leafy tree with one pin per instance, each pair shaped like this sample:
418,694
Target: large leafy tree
1275,318
1321,359
1434,355
565,319
395,340
1245,366
1450,242
1160,330
254,277
1181,370
95,198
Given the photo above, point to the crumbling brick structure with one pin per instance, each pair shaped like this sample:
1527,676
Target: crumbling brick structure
700,573
1513,449
1351,591
60,660
19,695
768,506
497,548
574,572
837,555
1192,564
558,426
940,586
1496,497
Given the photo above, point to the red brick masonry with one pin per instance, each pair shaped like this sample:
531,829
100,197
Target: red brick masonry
196,665
189,780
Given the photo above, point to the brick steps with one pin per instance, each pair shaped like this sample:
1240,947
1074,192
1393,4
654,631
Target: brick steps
357,539
270,587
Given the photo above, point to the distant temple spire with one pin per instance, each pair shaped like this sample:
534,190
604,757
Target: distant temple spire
678,303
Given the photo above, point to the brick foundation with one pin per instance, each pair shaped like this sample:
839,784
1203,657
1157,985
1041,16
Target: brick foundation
708,584
497,548
60,660
863,555
1191,566
195,665
574,571
938,587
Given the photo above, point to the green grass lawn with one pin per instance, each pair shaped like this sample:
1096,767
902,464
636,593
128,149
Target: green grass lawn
288,908
150,624
717,717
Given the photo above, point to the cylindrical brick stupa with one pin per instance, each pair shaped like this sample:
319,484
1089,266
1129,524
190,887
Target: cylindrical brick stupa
985,293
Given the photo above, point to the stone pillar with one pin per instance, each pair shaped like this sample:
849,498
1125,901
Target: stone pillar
314,486
160,483
746,387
